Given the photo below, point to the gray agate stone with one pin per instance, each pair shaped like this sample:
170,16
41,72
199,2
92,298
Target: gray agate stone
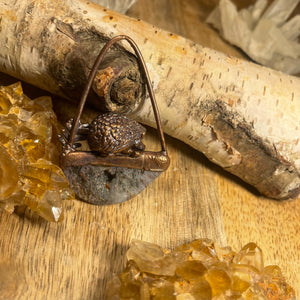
102,185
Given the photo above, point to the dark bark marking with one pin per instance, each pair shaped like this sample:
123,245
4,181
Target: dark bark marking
160,61
64,28
256,152
170,101
169,71
71,71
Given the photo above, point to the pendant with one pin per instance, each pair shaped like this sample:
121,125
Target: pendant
116,166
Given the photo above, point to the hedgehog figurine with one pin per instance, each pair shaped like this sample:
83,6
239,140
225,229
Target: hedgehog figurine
110,133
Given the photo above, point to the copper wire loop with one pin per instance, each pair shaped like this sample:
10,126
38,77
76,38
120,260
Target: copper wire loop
146,160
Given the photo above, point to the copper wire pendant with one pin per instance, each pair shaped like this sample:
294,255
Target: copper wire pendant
117,167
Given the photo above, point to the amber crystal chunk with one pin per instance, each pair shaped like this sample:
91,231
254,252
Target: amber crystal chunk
198,270
29,172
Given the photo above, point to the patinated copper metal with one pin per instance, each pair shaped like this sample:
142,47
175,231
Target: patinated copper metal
148,160
114,140
112,133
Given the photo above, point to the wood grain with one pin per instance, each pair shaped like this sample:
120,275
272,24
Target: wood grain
193,199
74,259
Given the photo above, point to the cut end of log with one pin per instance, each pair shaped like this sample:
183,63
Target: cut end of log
260,165
119,85
287,183
125,92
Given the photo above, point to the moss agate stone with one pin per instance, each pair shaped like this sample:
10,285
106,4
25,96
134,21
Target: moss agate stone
102,185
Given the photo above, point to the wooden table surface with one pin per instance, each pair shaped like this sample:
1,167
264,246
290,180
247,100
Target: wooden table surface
193,199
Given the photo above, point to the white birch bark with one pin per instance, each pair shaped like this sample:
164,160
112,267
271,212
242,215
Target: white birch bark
242,116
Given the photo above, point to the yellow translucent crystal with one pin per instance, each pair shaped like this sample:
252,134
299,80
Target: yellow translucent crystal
153,259
191,270
202,271
251,255
219,280
29,174
8,174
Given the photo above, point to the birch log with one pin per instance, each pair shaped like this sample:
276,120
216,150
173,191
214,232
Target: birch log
242,116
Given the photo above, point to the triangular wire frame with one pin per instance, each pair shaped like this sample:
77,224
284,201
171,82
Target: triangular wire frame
146,160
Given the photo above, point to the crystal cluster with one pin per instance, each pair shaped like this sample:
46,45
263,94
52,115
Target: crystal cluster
198,270
29,174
